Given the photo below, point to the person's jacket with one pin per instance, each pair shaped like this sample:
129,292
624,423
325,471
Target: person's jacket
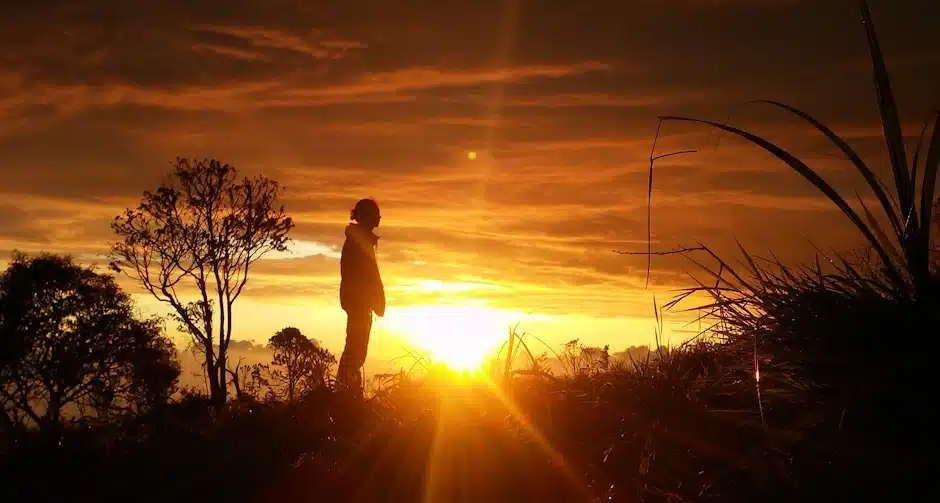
361,286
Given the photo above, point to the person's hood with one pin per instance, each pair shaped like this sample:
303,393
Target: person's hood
361,235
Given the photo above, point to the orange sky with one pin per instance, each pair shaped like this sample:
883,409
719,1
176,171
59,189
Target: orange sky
340,100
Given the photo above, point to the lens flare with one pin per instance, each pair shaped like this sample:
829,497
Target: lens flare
462,337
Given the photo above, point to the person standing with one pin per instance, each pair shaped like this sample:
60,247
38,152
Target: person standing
361,292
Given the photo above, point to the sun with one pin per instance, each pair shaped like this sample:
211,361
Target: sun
462,337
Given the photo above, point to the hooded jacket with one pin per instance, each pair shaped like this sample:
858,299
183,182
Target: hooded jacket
361,286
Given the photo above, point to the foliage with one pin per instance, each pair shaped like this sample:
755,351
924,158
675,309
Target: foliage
579,360
298,366
801,389
821,341
681,425
73,345
572,360
816,334
201,230
904,252
822,348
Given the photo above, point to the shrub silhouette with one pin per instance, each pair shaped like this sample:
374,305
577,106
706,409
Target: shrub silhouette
74,347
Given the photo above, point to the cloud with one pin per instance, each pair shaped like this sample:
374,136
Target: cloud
313,45
341,100
571,100
421,78
16,224
252,95
302,248
232,52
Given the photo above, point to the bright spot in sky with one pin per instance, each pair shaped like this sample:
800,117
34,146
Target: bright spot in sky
461,337
299,248
433,285
471,155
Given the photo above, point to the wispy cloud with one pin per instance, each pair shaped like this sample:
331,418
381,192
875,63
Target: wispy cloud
313,44
423,78
338,102
231,52
377,87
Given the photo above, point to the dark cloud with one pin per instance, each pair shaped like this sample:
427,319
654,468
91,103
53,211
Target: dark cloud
558,100
18,224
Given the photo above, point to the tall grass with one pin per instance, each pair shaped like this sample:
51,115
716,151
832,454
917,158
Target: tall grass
831,344
903,250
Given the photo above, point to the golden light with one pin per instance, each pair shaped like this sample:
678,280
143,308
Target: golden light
471,155
462,337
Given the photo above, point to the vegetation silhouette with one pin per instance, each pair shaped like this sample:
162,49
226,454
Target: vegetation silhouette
298,366
73,347
827,322
799,388
201,230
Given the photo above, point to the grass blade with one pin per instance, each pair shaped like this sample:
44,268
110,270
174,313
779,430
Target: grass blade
890,121
931,165
879,233
649,200
811,176
754,269
867,173
916,161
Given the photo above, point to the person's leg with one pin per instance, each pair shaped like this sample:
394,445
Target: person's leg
355,381
358,326
342,373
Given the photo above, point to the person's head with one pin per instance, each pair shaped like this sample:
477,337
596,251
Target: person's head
366,213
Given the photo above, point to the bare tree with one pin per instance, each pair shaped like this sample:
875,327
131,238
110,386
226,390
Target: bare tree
191,244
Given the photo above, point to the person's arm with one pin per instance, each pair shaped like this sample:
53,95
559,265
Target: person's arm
356,283
350,281
343,275
378,301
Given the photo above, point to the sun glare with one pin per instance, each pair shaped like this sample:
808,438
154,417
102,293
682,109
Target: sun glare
461,337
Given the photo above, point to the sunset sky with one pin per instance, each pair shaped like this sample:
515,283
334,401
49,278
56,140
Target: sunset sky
339,100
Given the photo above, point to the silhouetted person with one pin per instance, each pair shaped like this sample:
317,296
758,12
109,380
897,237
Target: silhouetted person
361,292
